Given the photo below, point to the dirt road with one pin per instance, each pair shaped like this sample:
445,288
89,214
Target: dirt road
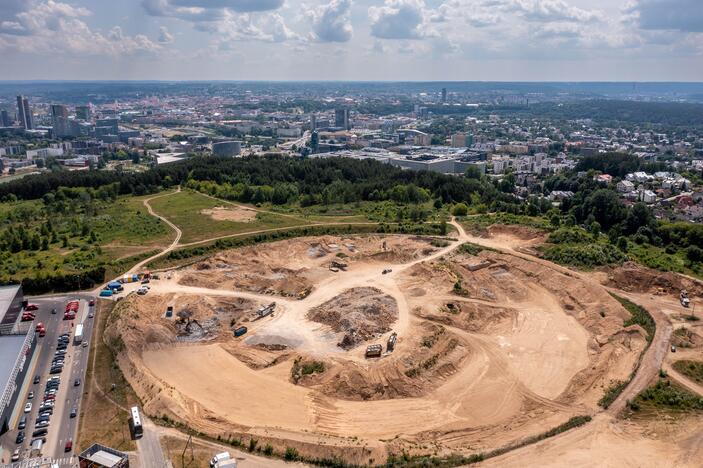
653,358
136,268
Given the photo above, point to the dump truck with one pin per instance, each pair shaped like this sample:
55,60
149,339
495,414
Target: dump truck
240,331
390,346
683,298
374,350
266,310
220,457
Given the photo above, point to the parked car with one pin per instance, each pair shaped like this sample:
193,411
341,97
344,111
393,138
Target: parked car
69,446
31,307
20,437
91,303
84,344
74,412
40,432
53,311
30,395
27,407
91,315
76,382
23,422
36,379
15,455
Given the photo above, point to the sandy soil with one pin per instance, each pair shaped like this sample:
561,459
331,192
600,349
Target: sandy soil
520,347
237,214
608,443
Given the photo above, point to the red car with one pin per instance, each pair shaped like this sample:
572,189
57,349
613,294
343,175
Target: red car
27,317
69,446
91,303
31,307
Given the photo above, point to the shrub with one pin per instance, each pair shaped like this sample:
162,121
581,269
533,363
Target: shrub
460,209
291,454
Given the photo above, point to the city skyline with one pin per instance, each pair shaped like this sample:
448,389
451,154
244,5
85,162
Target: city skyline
393,40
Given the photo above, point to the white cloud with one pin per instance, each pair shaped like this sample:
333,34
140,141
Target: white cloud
553,10
193,9
331,22
236,27
401,19
165,37
58,28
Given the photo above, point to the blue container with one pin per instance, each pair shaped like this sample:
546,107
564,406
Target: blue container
106,293
240,331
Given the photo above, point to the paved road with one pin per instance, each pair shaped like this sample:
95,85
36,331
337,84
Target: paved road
62,427
151,454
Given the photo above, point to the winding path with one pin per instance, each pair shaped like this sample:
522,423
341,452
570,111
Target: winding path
176,240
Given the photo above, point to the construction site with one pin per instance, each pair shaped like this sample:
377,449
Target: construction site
360,347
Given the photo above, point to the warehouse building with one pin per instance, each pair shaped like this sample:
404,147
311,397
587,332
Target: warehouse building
99,456
17,344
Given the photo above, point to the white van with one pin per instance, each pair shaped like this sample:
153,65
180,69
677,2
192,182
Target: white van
218,458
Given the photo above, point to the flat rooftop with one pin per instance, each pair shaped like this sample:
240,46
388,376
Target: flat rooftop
10,348
7,294
105,458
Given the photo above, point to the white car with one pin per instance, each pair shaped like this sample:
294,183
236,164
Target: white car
141,291
27,407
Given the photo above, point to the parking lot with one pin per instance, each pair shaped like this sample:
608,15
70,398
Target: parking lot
49,406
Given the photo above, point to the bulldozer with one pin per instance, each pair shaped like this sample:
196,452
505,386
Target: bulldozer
335,265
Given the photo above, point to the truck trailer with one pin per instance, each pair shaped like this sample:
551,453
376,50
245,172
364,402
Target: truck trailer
78,336
374,350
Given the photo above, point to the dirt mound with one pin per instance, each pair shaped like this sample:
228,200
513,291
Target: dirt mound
684,337
520,232
637,278
360,314
470,316
435,355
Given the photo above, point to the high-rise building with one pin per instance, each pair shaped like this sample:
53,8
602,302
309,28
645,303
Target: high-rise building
24,113
444,94
313,122
84,113
5,120
314,142
59,120
341,118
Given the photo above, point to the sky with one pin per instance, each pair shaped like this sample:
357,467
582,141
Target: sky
396,40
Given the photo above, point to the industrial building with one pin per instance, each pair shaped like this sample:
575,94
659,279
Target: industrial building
17,344
435,159
100,456
226,149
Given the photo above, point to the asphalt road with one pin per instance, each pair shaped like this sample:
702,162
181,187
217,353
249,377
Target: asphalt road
62,426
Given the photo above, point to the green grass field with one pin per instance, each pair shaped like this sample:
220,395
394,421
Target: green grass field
122,229
185,210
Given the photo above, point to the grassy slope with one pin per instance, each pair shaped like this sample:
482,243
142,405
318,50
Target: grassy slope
101,420
184,210
691,369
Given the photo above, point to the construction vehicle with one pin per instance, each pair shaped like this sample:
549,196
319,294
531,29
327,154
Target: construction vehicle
266,310
304,293
220,457
373,351
390,346
683,298
386,271
169,311
240,331
336,266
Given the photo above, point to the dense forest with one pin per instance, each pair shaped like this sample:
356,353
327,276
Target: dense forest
257,179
